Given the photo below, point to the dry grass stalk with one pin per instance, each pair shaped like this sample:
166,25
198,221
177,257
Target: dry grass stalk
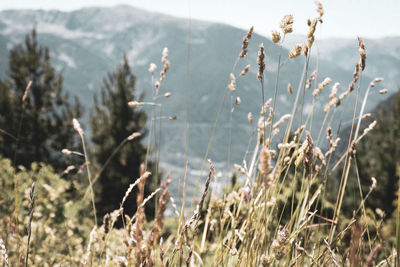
31,205
131,186
370,262
147,199
196,216
159,220
25,96
87,259
245,44
140,216
174,206
356,242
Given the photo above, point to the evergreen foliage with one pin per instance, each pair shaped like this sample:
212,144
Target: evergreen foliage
38,128
379,156
112,121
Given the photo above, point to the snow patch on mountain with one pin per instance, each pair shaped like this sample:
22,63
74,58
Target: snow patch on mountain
67,59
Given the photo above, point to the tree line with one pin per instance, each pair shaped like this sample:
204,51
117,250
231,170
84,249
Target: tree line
36,126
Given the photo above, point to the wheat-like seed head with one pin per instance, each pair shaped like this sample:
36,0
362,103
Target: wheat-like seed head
260,62
77,126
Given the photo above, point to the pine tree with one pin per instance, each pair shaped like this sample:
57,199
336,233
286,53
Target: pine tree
38,128
111,123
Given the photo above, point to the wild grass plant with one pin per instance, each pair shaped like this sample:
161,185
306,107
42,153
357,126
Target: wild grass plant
280,213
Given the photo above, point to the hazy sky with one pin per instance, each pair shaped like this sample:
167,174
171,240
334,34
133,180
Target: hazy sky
343,18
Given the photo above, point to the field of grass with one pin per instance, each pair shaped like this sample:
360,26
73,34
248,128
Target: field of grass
277,211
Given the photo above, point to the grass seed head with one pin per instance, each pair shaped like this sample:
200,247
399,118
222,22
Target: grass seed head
260,62
245,70
77,126
276,37
245,42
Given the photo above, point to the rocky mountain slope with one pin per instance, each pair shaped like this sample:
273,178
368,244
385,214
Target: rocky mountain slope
85,44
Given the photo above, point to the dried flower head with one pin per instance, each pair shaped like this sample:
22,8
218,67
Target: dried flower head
232,85
260,62
133,136
287,24
305,50
276,36
134,104
320,9
289,88
77,126
282,120
363,54
383,91
311,79
66,151
167,94
279,245
238,101
265,157
166,63
308,159
245,42
164,55
324,83
355,78
366,116
373,184
152,68
265,106
370,127
250,117
296,52
245,70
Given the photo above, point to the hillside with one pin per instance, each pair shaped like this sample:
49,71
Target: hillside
87,43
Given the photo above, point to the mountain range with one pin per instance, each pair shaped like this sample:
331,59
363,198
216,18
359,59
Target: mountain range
86,44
